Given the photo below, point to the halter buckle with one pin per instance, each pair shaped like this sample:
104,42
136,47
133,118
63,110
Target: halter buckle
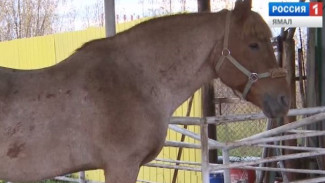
253,77
225,52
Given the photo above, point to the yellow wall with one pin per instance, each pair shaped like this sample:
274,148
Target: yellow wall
45,51
31,53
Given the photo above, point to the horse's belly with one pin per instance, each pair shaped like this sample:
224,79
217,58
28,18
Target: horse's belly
36,159
35,147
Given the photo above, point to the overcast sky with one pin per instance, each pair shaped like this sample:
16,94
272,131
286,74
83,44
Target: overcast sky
133,7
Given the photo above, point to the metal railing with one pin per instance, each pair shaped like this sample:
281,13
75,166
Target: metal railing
315,114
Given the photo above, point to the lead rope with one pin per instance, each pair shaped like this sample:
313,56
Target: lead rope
252,77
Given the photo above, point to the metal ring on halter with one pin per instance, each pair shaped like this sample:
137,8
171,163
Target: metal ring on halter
253,77
225,52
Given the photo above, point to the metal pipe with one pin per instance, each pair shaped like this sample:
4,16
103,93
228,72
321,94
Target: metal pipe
241,117
244,117
173,167
291,147
260,174
205,153
284,128
82,177
182,144
178,162
195,136
319,179
307,171
226,173
216,167
272,139
110,27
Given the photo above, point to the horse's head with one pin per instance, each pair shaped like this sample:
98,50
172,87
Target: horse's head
248,63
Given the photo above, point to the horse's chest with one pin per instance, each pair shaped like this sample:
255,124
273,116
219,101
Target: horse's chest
155,139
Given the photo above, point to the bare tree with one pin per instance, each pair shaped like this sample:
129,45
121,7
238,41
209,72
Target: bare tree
158,7
65,17
166,6
27,18
183,5
94,14
163,7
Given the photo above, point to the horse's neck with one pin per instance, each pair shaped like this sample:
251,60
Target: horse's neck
177,59
195,66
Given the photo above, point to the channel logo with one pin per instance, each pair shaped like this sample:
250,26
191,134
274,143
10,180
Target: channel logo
295,14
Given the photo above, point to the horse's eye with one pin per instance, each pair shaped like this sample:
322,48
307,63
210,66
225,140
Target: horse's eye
254,46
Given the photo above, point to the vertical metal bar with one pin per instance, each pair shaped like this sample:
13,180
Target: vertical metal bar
205,151
260,174
225,157
281,165
110,26
82,177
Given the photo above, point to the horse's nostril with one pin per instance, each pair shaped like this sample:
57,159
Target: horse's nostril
284,100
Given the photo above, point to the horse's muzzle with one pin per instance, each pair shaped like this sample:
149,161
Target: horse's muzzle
276,106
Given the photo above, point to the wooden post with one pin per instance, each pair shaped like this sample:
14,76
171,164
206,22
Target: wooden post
289,65
208,109
311,67
273,123
203,5
280,49
322,80
319,95
323,64
269,176
311,89
268,152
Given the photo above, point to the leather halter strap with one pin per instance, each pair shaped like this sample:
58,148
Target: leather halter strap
252,76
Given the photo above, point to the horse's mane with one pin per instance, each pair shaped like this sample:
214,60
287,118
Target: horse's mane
87,44
256,26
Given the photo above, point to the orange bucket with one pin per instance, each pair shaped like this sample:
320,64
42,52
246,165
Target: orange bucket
242,176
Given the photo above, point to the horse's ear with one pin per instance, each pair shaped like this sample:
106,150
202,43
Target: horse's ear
242,9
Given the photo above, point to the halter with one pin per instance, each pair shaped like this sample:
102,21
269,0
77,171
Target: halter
252,76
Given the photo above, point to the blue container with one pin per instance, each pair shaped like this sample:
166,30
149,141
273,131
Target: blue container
216,178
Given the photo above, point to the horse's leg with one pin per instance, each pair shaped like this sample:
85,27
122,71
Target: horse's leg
121,173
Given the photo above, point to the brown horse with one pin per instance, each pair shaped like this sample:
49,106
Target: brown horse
108,105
